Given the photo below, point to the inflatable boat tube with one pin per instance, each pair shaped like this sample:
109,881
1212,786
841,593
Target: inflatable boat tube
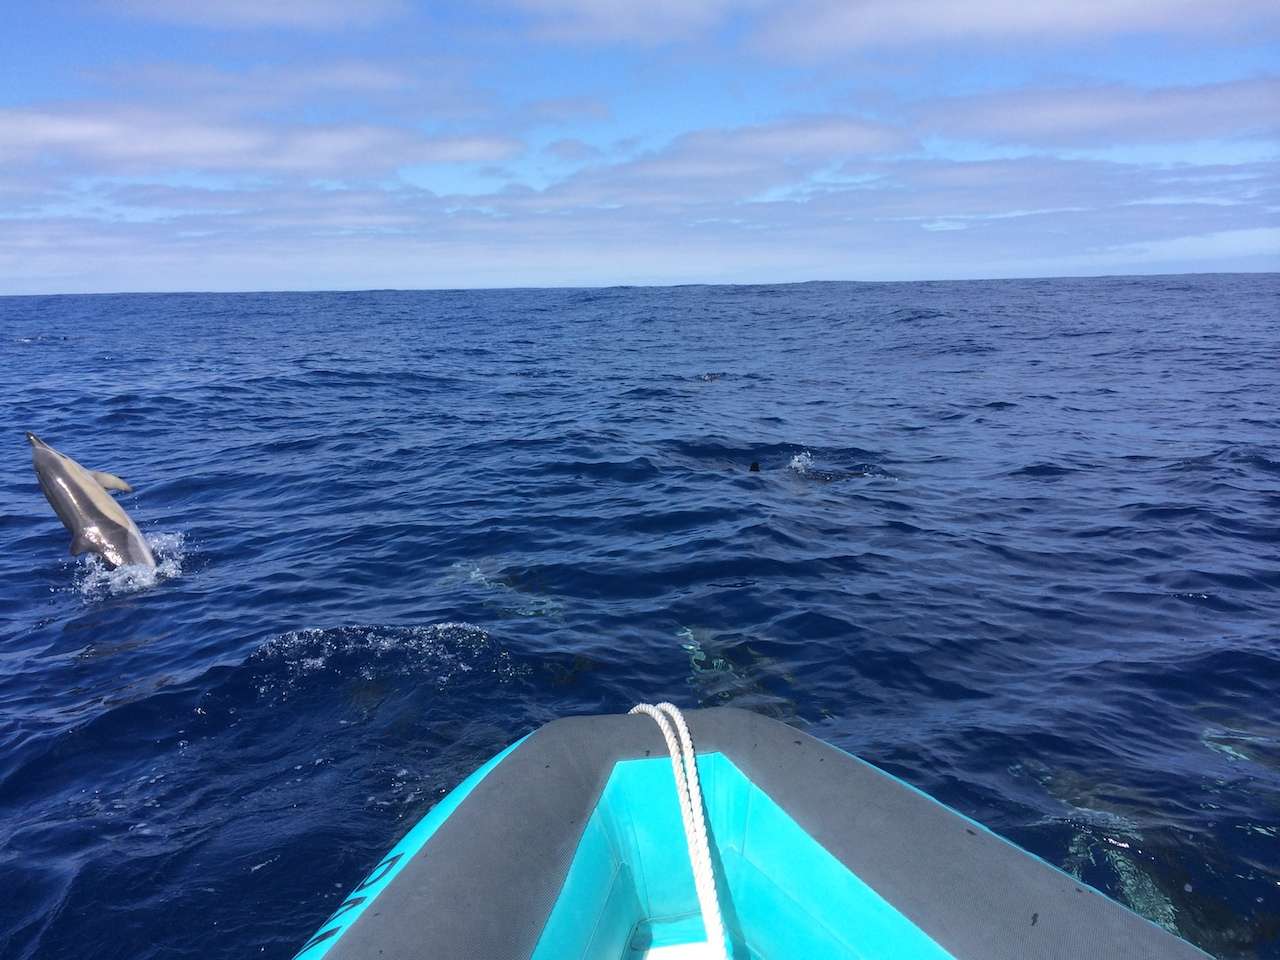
569,845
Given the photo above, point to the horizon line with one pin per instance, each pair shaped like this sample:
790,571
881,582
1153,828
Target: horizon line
631,286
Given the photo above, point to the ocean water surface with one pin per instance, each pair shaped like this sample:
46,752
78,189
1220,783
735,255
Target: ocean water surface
1017,542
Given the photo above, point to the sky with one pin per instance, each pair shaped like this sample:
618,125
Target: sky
357,144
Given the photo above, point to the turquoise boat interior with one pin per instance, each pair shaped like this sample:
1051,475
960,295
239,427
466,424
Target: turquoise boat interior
630,893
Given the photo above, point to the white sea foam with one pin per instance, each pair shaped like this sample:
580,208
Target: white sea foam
436,652
802,462
95,579
804,465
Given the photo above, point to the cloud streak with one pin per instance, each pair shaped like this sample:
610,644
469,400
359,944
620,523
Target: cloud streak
1111,114
257,14
107,139
830,26
653,21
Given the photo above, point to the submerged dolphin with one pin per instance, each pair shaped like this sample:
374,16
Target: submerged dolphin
80,499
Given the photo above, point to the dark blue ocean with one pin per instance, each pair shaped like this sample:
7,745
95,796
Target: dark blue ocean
1017,542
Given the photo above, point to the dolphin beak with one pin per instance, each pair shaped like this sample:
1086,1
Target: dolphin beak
34,440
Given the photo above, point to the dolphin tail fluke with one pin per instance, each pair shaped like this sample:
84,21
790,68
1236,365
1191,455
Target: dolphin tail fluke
109,481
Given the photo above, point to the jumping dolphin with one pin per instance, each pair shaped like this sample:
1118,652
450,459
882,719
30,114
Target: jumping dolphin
79,497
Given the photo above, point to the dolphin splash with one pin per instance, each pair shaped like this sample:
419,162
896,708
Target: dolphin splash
80,499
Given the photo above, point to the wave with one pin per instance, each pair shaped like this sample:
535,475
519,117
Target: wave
915,314
1043,471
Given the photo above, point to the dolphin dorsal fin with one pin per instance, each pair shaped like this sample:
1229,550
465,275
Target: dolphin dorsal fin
109,481
79,544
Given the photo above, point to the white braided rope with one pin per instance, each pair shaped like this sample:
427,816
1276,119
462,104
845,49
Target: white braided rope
689,796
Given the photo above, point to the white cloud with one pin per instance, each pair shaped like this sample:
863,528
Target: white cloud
103,140
826,27
646,22
726,165
825,138
253,14
831,26
1017,216
303,239
570,150
437,90
1109,115
933,189
560,110
1253,242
